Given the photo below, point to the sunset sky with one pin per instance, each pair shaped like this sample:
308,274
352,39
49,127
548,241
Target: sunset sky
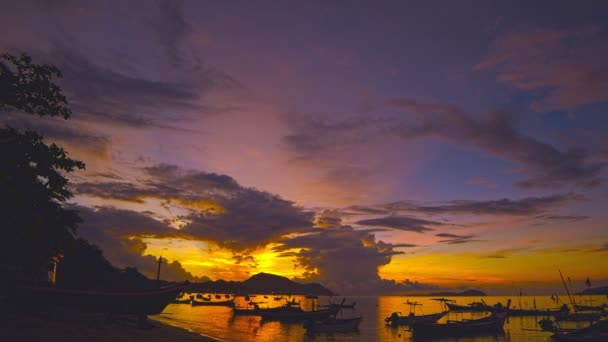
374,147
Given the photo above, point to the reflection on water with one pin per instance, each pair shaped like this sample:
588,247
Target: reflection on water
219,322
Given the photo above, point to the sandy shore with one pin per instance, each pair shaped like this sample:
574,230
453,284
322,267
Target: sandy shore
87,328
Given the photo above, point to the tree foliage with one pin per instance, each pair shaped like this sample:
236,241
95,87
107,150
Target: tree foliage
30,88
33,187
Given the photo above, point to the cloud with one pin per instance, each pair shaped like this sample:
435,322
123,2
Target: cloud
61,131
505,253
219,209
106,94
99,51
603,248
346,260
455,238
567,67
522,207
495,133
567,218
115,232
171,27
401,223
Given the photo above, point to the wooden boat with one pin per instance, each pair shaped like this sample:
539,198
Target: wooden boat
396,318
471,307
333,325
590,308
531,312
595,332
139,302
577,316
229,303
491,324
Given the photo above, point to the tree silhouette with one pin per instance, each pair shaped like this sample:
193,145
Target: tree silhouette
33,187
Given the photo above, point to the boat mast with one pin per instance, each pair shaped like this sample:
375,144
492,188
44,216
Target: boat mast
160,261
578,324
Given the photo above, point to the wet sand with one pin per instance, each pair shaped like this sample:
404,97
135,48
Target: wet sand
88,328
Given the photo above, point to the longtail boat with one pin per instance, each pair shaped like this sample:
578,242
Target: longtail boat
471,307
396,318
229,303
492,324
596,332
139,302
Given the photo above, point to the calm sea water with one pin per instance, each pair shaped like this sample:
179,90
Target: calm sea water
220,323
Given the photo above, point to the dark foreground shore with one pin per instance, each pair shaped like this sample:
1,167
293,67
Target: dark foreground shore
88,328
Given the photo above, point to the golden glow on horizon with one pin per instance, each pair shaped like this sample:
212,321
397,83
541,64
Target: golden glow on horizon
207,259
495,269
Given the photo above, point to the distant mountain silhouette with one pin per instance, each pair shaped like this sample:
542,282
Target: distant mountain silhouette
467,293
595,291
262,283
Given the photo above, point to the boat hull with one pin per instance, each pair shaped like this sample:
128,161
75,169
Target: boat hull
140,302
395,319
492,324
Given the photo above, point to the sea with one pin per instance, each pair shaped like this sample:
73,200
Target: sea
219,322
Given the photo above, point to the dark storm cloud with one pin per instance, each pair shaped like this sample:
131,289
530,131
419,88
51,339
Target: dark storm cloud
106,75
522,207
453,239
238,217
62,131
603,248
496,134
312,137
401,223
568,218
115,231
109,95
171,27
346,260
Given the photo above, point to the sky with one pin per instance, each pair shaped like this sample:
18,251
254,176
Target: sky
374,147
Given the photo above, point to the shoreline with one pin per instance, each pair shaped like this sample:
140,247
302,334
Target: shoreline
90,328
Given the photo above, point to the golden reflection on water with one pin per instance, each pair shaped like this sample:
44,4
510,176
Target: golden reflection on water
219,322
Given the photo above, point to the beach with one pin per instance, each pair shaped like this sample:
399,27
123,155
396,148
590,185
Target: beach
89,328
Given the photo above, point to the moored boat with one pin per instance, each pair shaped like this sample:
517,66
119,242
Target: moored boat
229,303
595,332
577,316
492,324
396,318
471,307
139,302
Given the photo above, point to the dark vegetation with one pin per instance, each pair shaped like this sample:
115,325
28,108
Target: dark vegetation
261,283
36,226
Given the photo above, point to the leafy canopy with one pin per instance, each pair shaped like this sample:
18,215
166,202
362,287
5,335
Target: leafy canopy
33,187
